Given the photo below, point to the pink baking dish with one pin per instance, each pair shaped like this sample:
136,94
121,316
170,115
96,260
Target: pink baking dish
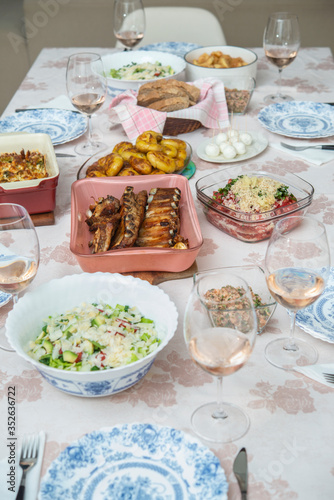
37,195
84,192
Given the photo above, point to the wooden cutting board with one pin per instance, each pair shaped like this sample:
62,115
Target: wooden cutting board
45,219
156,277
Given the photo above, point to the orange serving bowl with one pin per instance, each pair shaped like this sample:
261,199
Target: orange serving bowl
85,191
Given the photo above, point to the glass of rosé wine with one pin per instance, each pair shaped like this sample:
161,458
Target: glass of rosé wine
19,252
87,89
129,22
281,42
297,266
220,328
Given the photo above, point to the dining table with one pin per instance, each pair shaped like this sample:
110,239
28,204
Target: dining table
290,441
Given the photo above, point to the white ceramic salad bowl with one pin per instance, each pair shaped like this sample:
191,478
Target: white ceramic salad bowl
59,295
120,59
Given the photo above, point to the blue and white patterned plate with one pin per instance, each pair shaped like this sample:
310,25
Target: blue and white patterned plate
318,319
61,125
177,48
4,298
135,462
305,120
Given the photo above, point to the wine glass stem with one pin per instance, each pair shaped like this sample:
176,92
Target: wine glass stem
219,411
291,345
279,81
90,130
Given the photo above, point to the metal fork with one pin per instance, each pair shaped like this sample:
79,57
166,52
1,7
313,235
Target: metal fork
28,458
301,148
329,377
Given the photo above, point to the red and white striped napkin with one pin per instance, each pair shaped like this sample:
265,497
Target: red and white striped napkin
211,110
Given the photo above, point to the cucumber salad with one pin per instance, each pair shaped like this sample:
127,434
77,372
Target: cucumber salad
94,337
141,71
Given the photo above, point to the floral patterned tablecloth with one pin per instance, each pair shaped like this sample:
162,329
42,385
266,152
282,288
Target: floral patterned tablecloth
290,441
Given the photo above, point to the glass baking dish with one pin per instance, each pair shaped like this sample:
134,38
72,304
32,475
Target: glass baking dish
250,227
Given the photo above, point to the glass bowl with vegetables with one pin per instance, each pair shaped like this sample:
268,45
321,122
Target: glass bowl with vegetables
246,202
255,278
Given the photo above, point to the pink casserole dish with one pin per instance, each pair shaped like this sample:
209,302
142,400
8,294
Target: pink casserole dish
85,191
36,195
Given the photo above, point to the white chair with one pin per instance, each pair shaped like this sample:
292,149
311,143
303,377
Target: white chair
181,24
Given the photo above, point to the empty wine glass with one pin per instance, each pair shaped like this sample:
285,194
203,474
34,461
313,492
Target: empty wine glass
220,328
129,22
87,88
19,251
297,266
281,42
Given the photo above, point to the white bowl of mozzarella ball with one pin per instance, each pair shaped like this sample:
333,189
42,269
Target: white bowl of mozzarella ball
229,144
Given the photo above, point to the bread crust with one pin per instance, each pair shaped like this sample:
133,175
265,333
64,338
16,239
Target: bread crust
170,104
167,95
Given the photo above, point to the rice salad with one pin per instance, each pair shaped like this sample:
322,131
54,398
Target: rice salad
141,71
94,337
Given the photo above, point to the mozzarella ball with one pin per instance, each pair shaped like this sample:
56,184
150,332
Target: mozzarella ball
239,147
223,145
246,138
212,150
221,138
232,133
234,139
230,153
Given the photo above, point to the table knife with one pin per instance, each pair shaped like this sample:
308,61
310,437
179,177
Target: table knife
18,110
240,470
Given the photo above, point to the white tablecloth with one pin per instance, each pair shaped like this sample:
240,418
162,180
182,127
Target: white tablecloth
290,441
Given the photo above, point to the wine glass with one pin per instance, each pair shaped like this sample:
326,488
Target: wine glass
297,265
129,22
220,328
19,252
281,42
87,88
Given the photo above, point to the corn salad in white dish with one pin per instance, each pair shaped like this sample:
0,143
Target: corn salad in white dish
94,337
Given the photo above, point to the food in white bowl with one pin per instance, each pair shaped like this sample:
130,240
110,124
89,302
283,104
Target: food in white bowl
195,72
93,337
141,71
125,64
61,295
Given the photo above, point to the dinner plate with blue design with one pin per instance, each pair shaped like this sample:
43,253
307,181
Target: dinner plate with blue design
135,461
4,298
300,119
177,48
61,125
318,319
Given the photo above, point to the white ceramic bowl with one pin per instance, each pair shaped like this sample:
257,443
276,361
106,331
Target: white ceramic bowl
194,72
59,295
120,59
